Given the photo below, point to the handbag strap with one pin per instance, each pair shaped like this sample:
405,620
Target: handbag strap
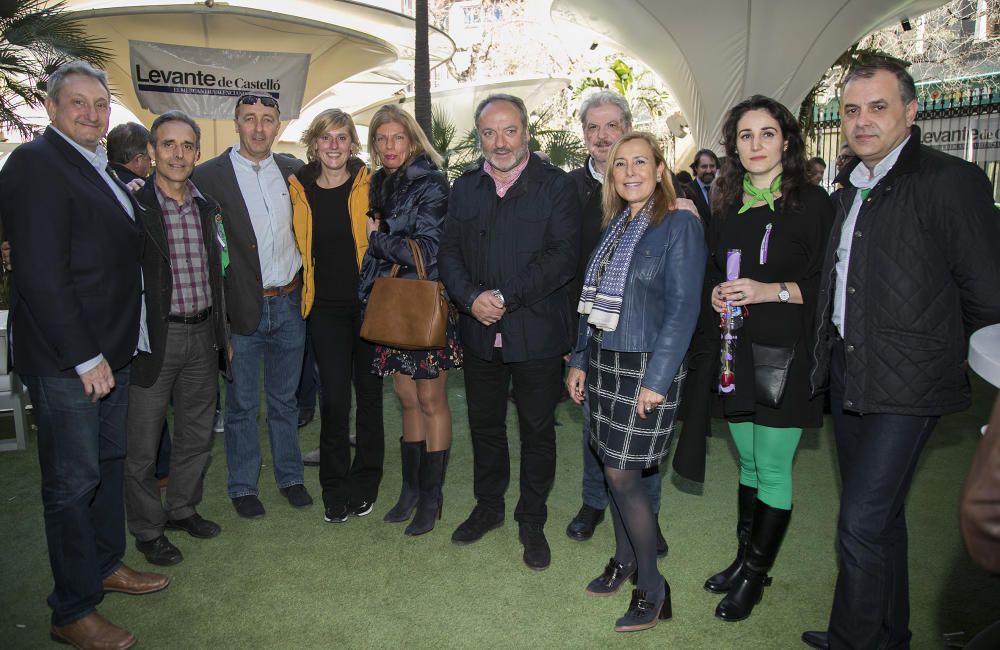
418,261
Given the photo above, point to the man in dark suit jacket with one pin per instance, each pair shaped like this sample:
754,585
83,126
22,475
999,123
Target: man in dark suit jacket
127,151
188,337
704,167
76,319
263,294
510,245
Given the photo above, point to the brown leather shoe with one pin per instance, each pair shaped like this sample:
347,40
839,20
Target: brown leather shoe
136,583
94,632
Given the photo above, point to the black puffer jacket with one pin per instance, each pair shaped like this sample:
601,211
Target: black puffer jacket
924,274
413,206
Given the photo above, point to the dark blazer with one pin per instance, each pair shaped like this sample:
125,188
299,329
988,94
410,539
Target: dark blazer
77,288
525,244
244,291
159,284
693,191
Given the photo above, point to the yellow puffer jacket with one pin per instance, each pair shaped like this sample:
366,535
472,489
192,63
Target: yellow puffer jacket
357,205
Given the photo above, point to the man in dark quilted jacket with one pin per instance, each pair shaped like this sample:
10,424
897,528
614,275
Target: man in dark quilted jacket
911,270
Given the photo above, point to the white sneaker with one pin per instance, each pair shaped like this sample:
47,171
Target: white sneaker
220,423
312,458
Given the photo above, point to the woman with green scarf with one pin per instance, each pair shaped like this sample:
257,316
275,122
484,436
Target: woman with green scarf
766,243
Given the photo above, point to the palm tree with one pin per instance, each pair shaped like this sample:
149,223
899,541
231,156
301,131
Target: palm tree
422,68
35,39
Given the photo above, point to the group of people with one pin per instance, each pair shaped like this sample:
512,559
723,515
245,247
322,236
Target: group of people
747,291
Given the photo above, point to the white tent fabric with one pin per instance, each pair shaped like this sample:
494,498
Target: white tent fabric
714,53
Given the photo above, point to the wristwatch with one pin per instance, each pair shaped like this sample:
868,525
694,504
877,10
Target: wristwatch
499,296
783,295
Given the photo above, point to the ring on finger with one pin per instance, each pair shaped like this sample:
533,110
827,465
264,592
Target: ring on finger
649,409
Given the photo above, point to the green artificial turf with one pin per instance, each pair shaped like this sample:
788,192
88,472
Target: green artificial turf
290,580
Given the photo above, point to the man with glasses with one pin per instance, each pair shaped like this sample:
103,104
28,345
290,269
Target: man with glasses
263,291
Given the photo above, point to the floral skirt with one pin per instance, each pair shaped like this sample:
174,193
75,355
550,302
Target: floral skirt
420,364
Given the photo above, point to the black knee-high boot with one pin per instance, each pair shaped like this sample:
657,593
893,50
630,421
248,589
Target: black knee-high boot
766,534
409,458
432,468
723,581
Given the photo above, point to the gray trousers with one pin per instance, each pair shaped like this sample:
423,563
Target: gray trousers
189,376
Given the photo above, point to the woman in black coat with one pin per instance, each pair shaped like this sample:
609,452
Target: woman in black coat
409,200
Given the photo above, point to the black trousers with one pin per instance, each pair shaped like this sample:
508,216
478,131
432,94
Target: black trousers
344,359
537,384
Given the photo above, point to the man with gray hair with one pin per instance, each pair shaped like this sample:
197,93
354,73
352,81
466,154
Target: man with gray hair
509,249
189,339
604,117
76,322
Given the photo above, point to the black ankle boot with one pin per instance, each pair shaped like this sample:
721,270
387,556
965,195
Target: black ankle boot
432,466
722,582
769,526
409,456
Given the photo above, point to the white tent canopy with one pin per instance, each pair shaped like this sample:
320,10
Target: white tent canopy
714,53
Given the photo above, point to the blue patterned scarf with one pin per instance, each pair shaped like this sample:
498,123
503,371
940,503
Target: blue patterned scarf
604,302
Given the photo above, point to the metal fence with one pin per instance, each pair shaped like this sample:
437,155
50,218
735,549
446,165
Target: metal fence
962,121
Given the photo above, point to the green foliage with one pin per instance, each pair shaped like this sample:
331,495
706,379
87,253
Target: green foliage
643,98
35,40
459,155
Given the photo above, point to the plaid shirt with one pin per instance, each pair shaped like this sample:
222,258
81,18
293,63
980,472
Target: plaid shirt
504,185
188,256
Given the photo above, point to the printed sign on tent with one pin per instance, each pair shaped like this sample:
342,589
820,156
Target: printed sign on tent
205,82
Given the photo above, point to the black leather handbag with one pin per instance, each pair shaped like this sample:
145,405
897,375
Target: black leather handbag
770,372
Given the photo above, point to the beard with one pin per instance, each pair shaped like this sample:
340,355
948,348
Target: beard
519,156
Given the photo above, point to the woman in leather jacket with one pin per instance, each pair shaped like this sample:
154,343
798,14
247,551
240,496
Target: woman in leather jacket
409,200
639,307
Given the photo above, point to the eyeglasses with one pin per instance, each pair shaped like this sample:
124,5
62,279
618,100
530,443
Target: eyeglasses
250,100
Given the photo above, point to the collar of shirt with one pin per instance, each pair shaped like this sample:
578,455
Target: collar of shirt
98,158
239,159
598,176
190,193
862,179
704,188
504,185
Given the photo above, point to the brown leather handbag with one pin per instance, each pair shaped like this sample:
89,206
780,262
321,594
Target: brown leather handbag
407,313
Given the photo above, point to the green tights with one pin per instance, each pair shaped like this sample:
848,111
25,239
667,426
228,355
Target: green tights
766,455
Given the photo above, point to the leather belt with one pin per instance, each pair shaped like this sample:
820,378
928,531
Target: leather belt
190,320
271,292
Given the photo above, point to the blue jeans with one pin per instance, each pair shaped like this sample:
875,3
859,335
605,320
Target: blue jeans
595,489
278,343
877,454
81,451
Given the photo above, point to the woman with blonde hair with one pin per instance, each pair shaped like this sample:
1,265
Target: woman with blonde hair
639,307
329,204
408,200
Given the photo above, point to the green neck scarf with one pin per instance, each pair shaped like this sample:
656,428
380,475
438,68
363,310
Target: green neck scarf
758,194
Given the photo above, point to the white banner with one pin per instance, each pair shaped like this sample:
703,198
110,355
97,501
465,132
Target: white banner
975,138
205,82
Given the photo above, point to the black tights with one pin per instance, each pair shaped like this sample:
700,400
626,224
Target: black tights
635,526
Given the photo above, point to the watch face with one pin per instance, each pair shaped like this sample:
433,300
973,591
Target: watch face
783,296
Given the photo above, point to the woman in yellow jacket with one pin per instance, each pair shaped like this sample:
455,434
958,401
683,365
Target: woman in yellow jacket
330,201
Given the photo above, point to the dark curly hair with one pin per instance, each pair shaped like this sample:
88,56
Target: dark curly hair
729,184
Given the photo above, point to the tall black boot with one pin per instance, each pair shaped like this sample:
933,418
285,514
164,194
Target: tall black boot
723,581
766,533
409,460
432,466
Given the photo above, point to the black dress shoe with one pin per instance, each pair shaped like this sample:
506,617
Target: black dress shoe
582,527
195,526
536,548
480,522
614,576
661,544
643,613
159,551
297,495
816,639
306,418
248,506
